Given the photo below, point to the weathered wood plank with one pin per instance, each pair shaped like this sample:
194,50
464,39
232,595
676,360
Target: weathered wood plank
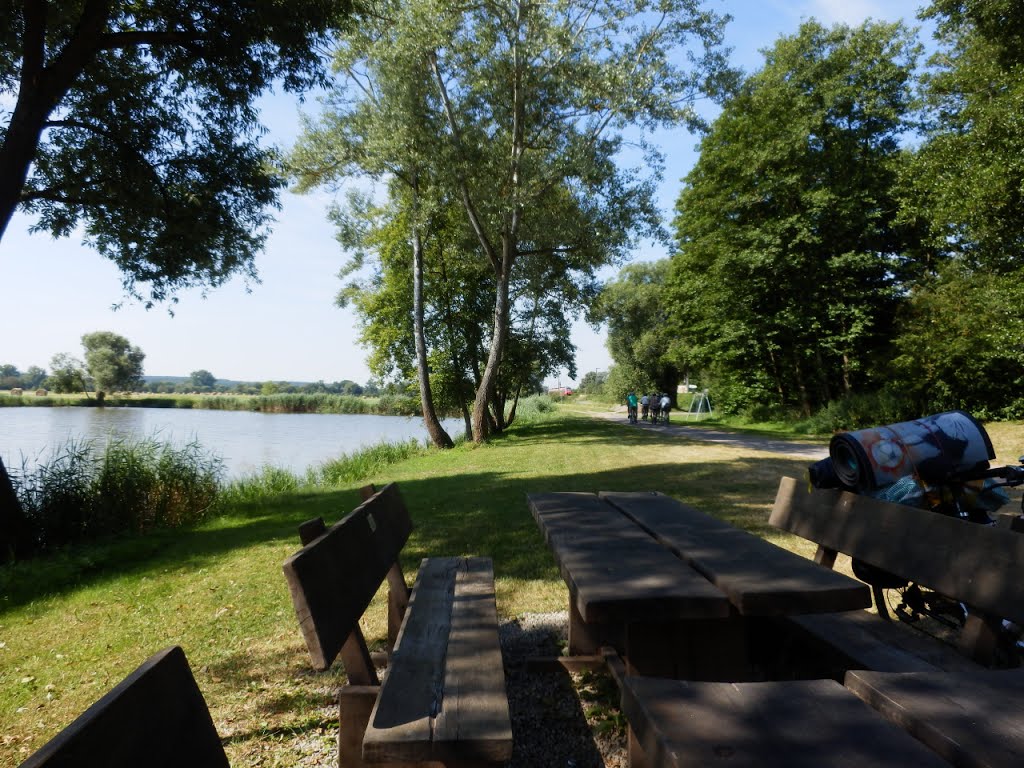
473,725
401,726
615,570
972,720
155,717
789,724
761,579
443,697
979,565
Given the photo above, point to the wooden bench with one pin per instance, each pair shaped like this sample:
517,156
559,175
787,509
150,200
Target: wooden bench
443,696
980,566
156,717
784,724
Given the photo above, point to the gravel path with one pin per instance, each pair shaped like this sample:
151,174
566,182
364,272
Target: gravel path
691,431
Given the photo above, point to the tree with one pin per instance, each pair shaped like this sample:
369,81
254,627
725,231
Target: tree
593,383
202,379
790,258
635,309
136,121
33,377
967,181
959,345
112,362
67,374
514,112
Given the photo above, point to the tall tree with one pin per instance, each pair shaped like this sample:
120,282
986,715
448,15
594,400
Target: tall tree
787,275
635,309
530,100
136,120
968,178
112,361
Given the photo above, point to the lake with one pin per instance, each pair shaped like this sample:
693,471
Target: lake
245,440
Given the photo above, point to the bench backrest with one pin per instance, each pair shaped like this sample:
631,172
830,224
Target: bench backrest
979,565
155,717
333,578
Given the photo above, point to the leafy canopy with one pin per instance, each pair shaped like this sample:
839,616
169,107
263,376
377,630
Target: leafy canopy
136,122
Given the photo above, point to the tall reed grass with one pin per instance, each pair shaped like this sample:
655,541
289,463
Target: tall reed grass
131,485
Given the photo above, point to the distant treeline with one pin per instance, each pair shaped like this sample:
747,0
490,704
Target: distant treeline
384,405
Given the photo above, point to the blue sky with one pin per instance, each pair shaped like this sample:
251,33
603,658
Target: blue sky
287,327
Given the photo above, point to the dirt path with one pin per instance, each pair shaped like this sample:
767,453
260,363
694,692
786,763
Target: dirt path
693,431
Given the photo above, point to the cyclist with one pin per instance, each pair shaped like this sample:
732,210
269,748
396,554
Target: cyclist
631,402
645,402
665,404
654,408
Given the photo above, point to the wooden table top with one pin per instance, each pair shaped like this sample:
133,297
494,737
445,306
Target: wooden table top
645,556
760,578
614,570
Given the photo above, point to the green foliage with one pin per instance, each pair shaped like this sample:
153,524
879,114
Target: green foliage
202,379
788,271
623,379
593,383
635,309
67,374
966,182
860,410
366,463
112,362
140,127
535,408
500,134
959,344
130,486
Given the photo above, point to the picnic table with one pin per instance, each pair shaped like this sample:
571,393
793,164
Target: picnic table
671,587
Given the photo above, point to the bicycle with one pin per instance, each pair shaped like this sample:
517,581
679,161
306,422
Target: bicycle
948,484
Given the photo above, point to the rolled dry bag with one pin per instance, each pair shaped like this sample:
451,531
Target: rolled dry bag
932,448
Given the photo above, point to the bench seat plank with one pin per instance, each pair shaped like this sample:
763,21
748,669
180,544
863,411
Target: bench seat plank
867,642
760,578
972,721
963,560
443,696
788,724
614,570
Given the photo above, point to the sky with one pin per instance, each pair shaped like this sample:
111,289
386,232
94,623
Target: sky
287,326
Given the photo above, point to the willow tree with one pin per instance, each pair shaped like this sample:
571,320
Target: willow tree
527,104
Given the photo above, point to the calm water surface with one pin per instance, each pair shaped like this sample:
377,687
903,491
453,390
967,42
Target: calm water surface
246,441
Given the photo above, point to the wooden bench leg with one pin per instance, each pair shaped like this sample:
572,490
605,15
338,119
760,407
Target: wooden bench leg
586,639
355,703
635,753
398,601
980,637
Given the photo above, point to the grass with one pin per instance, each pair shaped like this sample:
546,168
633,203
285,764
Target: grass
73,625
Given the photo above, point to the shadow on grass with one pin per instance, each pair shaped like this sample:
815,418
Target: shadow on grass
481,513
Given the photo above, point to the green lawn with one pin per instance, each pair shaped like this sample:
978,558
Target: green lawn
74,625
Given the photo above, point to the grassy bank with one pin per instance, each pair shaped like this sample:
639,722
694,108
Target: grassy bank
73,625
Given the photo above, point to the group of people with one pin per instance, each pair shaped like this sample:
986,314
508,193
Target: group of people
654,407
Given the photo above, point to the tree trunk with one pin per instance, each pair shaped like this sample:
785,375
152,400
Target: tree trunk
489,377
437,433
42,86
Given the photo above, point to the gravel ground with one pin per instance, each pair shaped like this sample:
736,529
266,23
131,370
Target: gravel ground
559,720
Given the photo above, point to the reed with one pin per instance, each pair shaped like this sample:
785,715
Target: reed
130,485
